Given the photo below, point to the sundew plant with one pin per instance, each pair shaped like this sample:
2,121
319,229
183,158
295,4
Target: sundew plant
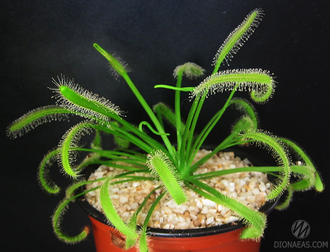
171,163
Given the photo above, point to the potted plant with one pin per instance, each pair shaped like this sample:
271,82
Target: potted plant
173,166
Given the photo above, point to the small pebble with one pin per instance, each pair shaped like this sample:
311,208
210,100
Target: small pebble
209,220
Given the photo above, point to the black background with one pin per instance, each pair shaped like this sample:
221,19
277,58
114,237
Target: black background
42,39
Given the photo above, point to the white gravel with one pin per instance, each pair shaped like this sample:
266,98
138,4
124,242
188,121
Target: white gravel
249,188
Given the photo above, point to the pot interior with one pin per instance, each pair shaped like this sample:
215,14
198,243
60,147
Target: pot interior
197,232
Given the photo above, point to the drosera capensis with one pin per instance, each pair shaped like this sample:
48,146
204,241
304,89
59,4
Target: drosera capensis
162,160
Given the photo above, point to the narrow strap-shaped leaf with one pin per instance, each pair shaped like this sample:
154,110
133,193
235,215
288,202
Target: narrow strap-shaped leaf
318,182
142,140
44,181
152,208
35,118
140,98
209,126
189,69
191,125
68,144
236,39
252,79
56,221
69,193
133,220
111,212
201,161
97,142
161,167
259,82
143,244
256,220
117,65
244,124
264,169
183,89
74,97
279,154
188,133
90,159
114,164
164,111
58,214
247,108
117,156
306,175
285,204
145,123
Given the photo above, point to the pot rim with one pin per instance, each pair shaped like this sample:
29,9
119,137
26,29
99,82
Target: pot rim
181,233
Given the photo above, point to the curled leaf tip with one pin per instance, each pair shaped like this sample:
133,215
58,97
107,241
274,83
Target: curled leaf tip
189,69
70,140
257,81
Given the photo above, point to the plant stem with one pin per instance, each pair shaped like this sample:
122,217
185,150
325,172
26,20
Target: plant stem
178,111
257,219
151,115
187,133
208,128
265,169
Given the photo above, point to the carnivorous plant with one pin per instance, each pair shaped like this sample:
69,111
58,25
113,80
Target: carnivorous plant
172,164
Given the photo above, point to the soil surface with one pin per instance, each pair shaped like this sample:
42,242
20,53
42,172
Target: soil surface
249,188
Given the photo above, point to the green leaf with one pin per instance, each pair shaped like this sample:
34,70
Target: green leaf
264,169
69,193
143,244
163,110
96,144
236,39
286,202
161,167
255,220
274,145
111,213
117,65
133,221
247,108
140,98
260,83
244,124
56,220
145,123
68,145
73,97
314,178
120,141
189,69
35,118
183,89
43,171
